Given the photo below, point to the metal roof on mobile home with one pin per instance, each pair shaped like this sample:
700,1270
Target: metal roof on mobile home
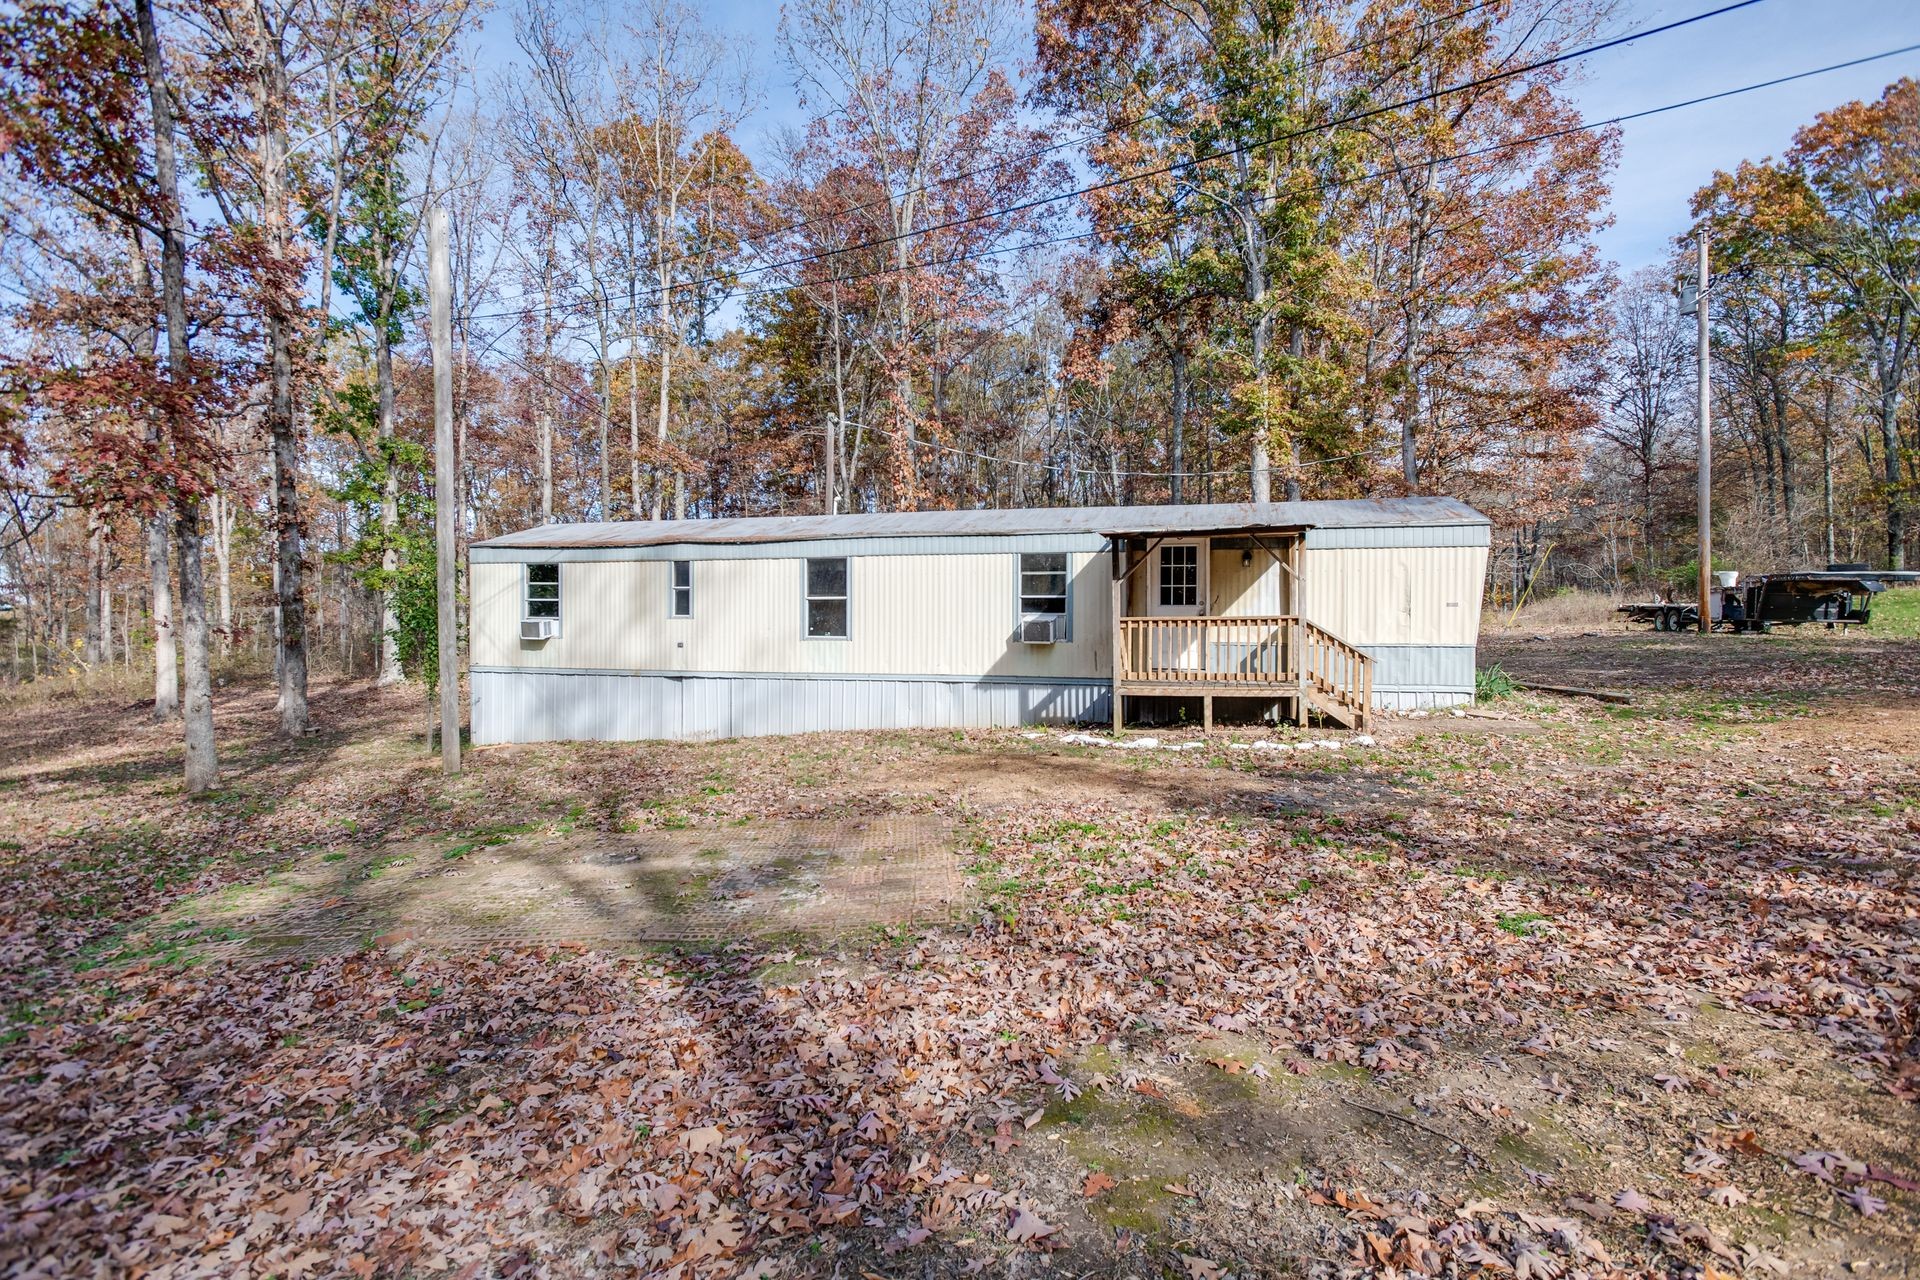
1103,522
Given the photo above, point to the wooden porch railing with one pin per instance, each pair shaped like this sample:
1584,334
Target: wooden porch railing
1280,654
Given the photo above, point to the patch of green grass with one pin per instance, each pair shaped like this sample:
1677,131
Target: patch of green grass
178,945
1896,613
486,837
1521,924
1490,684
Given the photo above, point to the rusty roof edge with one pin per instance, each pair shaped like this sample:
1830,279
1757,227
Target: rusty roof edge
1193,518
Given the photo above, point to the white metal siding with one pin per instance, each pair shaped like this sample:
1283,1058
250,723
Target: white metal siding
910,615
1395,595
931,641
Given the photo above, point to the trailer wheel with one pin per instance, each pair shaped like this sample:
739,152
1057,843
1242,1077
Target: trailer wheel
1662,621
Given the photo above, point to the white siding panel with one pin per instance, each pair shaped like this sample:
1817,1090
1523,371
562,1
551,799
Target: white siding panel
1395,595
1244,590
910,615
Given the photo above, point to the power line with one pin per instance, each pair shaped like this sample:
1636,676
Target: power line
1190,161
1473,153
1158,113
1087,471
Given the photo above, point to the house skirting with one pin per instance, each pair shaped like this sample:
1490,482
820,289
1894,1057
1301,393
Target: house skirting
1408,677
520,704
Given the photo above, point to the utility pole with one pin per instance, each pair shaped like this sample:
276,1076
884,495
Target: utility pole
1705,499
833,448
1694,302
440,287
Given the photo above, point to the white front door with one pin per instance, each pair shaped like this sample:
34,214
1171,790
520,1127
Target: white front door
1178,589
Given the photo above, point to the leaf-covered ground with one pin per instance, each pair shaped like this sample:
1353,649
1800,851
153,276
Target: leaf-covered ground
1562,989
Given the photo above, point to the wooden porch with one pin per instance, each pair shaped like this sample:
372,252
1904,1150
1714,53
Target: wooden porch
1177,646
1285,658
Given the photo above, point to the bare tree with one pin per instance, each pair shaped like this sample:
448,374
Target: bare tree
900,74
1648,392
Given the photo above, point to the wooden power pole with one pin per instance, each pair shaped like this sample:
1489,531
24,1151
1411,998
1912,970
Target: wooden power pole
1705,496
440,287
833,448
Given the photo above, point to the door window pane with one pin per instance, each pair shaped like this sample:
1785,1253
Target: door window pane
1180,576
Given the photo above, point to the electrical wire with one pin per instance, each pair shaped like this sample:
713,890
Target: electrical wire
1131,122
1073,469
1474,153
1586,126
1188,162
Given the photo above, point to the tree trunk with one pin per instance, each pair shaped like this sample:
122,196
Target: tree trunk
1410,396
93,647
633,408
166,674
1296,346
387,670
1826,469
666,373
1253,250
223,570
1177,428
906,438
544,393
166,671
1890,463
1261,462
544,426
202,764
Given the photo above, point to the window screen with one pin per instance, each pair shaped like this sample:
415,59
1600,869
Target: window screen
1179,576
680,603
543,591
827,598
1043,584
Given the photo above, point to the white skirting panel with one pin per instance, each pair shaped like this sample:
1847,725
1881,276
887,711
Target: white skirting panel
544,706
1408,677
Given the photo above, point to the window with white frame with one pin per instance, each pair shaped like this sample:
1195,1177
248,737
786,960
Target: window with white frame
827,598
1179,575
542,597
680,596
1043,586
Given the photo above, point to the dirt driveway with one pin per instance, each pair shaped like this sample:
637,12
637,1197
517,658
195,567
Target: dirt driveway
812,877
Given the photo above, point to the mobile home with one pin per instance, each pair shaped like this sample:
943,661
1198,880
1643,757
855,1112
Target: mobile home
785,624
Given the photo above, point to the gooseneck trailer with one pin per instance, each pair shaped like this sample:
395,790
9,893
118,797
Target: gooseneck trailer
1838,596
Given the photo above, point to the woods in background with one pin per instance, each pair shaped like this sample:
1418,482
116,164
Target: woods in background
1816,390
1087,253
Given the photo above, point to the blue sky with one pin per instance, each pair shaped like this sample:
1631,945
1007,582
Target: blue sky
1663,160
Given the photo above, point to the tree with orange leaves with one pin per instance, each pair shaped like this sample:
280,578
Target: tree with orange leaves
1844,205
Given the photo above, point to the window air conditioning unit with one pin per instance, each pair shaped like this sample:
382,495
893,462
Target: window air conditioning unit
539,628
1037,631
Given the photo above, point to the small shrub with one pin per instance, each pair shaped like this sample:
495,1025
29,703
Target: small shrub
1491,684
